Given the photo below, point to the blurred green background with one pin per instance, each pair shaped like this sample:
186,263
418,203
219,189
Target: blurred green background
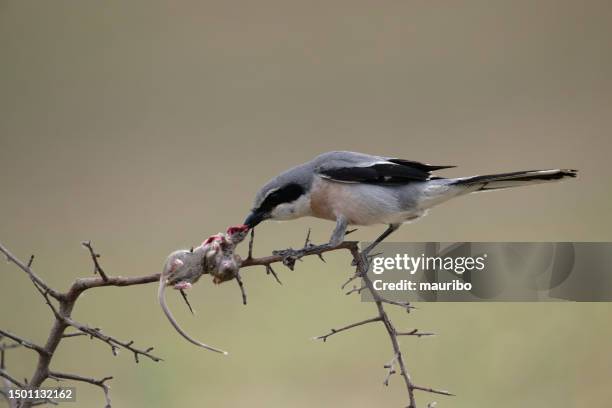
146,126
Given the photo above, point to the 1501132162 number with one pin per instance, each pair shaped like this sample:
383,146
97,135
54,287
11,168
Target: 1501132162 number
59,394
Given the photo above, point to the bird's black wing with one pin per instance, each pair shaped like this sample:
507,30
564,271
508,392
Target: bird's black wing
383,171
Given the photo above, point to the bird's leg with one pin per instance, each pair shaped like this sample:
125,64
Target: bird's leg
339,232
390,230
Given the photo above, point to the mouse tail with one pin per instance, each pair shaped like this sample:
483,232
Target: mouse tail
162,302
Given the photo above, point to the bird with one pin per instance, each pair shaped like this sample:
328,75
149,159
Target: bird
357,189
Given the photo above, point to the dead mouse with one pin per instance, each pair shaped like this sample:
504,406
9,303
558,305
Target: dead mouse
185,267
222,263
181,270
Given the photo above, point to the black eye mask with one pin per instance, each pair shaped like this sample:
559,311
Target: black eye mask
285,194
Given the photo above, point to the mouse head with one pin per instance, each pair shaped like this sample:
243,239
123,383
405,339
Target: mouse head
237,233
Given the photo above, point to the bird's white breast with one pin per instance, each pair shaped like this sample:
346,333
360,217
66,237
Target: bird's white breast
361,204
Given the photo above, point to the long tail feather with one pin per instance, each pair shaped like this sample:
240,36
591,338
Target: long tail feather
515,179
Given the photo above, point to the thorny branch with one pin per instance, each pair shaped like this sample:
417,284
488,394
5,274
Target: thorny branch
62,305
350,326
99,383
65,302
94,257
361,262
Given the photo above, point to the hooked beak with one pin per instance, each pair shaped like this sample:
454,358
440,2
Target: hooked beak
253,219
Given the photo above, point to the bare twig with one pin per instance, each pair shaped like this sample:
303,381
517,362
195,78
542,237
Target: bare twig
13,380
390,366
92,381
270,271
403,305
241,285
25,343
356,289
24,267
251,240
350,326
415,332
94,257
77,334
349,280
114,343
309,244
433,390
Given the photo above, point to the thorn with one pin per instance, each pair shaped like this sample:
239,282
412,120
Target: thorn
307,242
251,241
184,295
269,271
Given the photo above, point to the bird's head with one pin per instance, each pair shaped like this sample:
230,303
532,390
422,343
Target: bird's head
280,199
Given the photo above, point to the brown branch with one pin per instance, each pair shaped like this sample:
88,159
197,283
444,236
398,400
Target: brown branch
13,380
23,342
83,284
404,305
62,313
8,380
415,332
288,257
251,241
114,343
94,257
362,268
241,285
390,366
350,326
270,271
349,280
356,289
433,390
77,334
74,377
24,267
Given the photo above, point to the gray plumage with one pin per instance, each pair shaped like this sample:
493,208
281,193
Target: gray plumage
360,189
